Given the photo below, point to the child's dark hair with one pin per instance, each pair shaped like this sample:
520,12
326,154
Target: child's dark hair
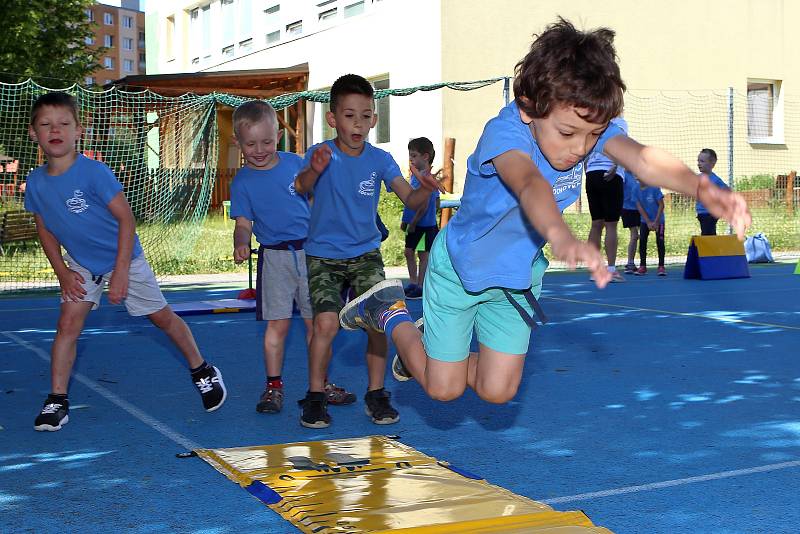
56,99
350,84
568,66
710,152
423,145
252,112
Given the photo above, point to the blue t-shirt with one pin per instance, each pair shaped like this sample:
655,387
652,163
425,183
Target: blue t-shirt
429,218
490,241
597,161
631,188
74,208
648,198
346,201
716,180
268,198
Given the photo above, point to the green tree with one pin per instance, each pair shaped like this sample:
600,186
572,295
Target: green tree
46,40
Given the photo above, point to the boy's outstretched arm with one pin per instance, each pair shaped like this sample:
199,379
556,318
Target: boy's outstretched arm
535,195
70,281
121,211
657,167
416,199
306,178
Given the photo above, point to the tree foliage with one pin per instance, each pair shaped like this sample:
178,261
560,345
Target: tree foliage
46,40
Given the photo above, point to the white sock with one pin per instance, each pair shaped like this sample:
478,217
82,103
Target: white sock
612,268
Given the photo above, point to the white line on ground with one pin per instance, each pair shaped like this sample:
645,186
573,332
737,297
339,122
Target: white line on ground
150,421
671,483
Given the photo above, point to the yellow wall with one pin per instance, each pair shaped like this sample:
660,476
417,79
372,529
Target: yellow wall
667,49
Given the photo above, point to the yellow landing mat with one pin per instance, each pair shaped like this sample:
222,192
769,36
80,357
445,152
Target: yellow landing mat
377,484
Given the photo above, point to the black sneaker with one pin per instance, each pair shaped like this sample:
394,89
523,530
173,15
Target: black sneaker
399,370
365,311
54,414
415,293
315,410
379,407
209,383
338,396
271,401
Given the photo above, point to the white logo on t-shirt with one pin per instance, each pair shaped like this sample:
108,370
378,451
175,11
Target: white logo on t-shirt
569,181
77,204
367,187
292,190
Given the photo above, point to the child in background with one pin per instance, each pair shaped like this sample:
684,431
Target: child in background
650,203
264,203
631,218
79,205
421,223
486,266
706,160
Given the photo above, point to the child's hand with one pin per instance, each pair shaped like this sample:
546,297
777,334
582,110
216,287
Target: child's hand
403,226
572,251
427,180
651,225
241,253
320,158
118,287
412,227
724,204
71,284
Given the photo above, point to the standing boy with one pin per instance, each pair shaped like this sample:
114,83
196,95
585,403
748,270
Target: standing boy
420,224
78,204
706,160
343,245
486,266
650,203
631,218
265,203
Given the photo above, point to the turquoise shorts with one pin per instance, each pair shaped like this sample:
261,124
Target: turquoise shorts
452,313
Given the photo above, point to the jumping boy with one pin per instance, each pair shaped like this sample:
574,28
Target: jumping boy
420,224
486,265
343,245
264,203
78,204
706,160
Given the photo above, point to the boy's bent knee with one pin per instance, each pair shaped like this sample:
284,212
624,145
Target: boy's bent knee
495,394
164,318
445,392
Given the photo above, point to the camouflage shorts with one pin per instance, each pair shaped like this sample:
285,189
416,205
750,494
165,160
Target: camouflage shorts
328,277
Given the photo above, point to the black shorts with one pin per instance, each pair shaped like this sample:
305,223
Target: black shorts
631,218
605,196
413,238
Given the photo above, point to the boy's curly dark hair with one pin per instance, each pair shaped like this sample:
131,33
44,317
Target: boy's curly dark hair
568,66
350,84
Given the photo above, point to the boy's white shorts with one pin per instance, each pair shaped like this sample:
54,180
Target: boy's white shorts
144,295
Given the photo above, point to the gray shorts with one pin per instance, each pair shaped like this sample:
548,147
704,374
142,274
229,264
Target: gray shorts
144,295
281,280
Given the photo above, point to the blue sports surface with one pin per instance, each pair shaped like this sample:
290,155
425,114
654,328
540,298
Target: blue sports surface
659,405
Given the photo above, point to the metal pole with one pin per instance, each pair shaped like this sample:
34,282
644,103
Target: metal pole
730,145
506,92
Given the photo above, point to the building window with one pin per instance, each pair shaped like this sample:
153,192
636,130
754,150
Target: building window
354,9
89,15
246,46
228,21
127,65
196,61
141,39
142,62
108,19
764,111
89,40
170,38
89,81
273,37
108,63
127,43
295,28
328,15
382,130
108,41
272,15
245,19
127,22
227,51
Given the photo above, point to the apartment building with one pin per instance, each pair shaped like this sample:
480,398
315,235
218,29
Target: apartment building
120,29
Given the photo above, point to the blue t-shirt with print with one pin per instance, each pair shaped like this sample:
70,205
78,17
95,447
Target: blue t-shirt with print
346,202
429,218
631,190
490,240
267,197
74,208
648,198
716,180
597,161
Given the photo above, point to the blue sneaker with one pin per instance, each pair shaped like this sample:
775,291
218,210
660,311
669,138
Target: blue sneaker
366,310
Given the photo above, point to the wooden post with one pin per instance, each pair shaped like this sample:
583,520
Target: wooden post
790,192
447,176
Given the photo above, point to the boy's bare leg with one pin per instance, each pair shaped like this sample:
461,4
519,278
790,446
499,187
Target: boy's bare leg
411,261
274,345
62,354
180,334
326,326
377,350
596,232
632,244
498,375
611,242
423,266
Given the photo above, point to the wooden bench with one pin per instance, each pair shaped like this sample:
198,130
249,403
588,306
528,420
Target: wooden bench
17,226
